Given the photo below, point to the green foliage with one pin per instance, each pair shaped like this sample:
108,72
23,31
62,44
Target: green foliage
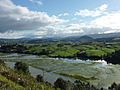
95,53
66,53
7,84
79,77
23,67
14,80
78,85
39,78
108,50
114,86
60,83
63,49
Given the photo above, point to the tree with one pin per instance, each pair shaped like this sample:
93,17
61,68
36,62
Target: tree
39,78
60,83
2,62
23,67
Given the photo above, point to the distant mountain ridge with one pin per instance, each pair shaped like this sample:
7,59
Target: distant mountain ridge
82,39
108,35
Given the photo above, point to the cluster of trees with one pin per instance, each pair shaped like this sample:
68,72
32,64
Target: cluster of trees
17,48
13,48
114,58
114,86
77,85
65,50
2,62
22,67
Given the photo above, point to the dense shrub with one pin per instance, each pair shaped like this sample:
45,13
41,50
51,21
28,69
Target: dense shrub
60,83
114,86
2,62
39,78
23,67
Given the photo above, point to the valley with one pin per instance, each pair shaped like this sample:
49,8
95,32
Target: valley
98,73
93,62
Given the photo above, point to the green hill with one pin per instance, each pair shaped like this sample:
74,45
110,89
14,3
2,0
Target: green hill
14,80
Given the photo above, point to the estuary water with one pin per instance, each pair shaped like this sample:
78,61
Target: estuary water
104,73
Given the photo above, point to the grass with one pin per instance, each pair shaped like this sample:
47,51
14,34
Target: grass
82,78
95,53
70,49
8,84
65,53
60,49
9,81
2,54
108,50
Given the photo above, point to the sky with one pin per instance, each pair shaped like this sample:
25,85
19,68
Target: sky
58,18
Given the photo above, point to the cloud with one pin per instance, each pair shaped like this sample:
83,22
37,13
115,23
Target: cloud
108,23
93,13
12,35
110,20
112,31
103,22
17,21
15,17
39,2
63,14
60,30
103,7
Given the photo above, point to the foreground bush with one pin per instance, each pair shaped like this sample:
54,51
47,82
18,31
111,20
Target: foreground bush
39,78
23,67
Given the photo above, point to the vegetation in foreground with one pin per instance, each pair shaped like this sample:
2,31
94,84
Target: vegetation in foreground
20,80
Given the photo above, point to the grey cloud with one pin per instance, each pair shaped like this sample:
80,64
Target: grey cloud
13,17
